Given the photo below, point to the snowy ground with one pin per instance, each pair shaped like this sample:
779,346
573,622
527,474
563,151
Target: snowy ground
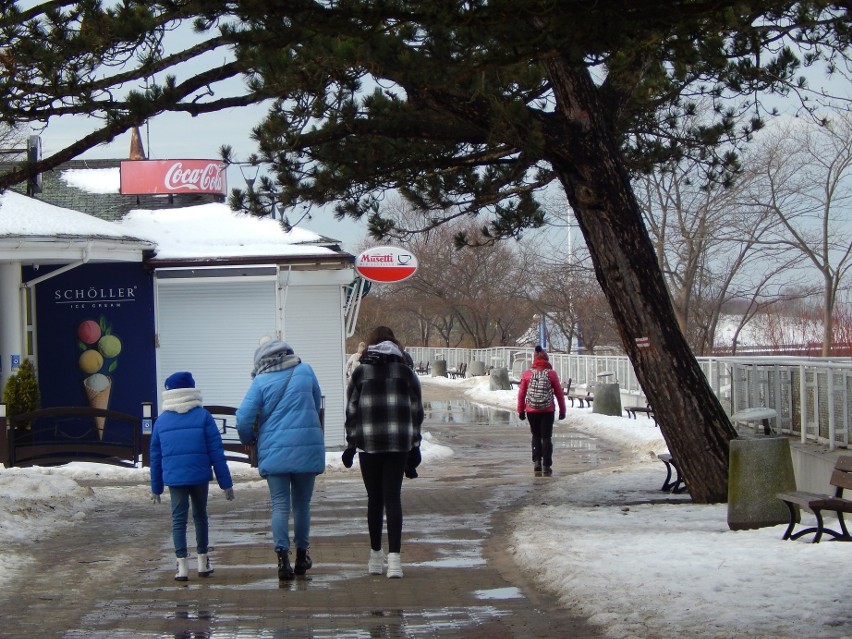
601,540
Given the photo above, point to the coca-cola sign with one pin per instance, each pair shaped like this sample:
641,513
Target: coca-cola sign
173,176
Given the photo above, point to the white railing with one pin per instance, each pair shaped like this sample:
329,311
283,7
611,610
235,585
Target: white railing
811,396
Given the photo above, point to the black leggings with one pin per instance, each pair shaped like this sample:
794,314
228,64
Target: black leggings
541,428
382,473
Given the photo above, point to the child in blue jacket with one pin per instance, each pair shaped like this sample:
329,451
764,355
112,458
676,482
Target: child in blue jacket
185,444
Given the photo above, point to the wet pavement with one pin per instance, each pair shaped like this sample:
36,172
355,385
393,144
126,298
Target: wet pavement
111,576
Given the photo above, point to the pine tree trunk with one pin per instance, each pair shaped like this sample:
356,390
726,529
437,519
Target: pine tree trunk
586,159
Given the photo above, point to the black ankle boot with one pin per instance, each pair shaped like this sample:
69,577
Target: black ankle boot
285,572
303,561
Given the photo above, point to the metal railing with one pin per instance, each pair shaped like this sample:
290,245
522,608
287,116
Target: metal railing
811,396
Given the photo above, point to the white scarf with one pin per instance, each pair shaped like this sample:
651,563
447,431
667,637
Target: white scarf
181,400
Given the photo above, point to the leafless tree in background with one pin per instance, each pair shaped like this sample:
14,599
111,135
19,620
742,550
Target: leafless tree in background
711,247
806,184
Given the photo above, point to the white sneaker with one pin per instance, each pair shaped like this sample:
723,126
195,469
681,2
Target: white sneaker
394,566
377,562
182,569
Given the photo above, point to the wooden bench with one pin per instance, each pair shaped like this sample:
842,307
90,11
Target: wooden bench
457,372
670,485
422,368
234,449
646,410
584,400
63,434
841,478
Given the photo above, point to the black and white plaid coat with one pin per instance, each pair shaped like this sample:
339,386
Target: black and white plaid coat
384,407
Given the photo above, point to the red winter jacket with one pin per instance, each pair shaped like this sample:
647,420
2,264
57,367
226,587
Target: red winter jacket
554,382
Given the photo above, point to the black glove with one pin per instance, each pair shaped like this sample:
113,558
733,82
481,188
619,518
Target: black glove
412,462
348,456
561,415
522,415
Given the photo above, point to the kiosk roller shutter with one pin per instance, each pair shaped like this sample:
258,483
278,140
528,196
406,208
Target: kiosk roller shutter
314,328
211,328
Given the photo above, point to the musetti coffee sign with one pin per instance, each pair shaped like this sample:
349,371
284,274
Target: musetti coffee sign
139,177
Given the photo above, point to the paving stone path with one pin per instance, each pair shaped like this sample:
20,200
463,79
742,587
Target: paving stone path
110,577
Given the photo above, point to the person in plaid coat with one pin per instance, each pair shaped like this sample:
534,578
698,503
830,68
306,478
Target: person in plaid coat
384,411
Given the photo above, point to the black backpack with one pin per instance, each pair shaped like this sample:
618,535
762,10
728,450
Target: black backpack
540,390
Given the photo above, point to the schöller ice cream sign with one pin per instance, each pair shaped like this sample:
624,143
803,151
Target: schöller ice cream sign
386,264
140,177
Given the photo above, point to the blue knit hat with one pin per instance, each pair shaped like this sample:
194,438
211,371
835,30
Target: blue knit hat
182,379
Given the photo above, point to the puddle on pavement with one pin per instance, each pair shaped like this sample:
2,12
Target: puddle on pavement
464,412
385,624
499,593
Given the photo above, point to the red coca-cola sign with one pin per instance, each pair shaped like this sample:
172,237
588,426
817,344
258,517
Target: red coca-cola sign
173,176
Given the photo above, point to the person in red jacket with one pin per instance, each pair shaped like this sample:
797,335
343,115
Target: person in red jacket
538,389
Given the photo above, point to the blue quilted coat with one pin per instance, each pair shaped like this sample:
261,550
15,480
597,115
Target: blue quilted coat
184,446
290,437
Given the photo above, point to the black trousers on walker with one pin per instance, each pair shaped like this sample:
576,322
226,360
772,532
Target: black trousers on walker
382,474
541,427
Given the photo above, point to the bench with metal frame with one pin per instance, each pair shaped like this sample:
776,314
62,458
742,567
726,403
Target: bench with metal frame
646,410
674,481
841,478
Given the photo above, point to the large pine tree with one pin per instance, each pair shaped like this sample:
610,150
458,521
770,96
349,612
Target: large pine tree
464,108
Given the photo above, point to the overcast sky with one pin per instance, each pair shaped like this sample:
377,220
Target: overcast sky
179,136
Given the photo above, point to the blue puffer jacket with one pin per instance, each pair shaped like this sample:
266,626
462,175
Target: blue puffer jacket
291,439
184,446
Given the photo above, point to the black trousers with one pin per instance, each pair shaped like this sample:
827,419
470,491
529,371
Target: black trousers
541,428
382,474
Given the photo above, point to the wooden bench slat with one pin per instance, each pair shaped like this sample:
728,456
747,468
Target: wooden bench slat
841,479
844,463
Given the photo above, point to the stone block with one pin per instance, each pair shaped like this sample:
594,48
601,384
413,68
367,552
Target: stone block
607,399
758,469
500,379
439,368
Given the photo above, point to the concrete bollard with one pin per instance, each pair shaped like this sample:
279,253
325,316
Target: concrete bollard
439,368
758,469
500,379
607,399
475,368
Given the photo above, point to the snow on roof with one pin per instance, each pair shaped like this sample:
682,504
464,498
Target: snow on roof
207,231
93,180
22,216
215,231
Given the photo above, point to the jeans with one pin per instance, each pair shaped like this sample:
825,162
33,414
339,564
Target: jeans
299,486
541,427
382,474
181,496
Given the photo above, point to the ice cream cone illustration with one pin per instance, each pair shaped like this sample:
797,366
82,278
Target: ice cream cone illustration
99,350
97,388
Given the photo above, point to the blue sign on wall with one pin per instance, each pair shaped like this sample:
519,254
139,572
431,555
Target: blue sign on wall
95,337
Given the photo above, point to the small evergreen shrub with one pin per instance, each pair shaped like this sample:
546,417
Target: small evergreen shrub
21,394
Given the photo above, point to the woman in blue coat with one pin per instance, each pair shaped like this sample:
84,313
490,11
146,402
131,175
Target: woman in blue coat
281,415
185,444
